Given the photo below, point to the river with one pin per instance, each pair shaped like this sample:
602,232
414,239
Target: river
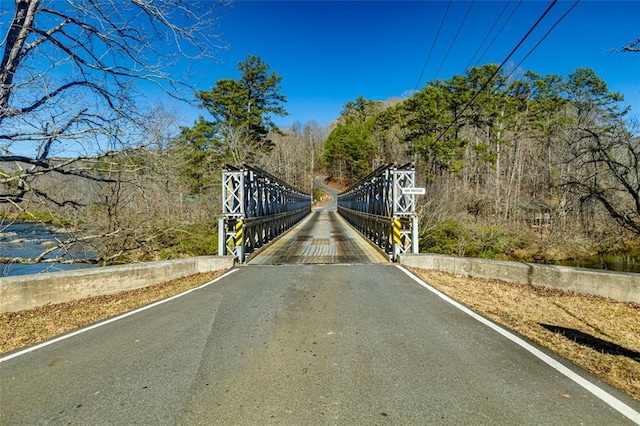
610,262
29,240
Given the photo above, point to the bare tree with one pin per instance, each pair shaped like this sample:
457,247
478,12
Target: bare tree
609,168
604,154
70,76
69,69
313,135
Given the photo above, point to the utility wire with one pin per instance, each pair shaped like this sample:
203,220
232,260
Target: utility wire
498,33
454,39
484,86
506,5
543,38
444,18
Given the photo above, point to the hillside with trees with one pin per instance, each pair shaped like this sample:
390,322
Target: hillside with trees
518,167
535,168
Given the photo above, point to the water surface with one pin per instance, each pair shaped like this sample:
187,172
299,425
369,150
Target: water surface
28,240
609,262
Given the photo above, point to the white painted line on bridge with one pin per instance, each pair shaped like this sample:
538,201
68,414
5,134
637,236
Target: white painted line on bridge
110,320
600,393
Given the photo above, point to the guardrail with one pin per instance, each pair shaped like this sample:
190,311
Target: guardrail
381,206
30,291
256,208
624,286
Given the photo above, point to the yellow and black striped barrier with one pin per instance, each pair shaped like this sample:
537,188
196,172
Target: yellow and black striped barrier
239,233
397,227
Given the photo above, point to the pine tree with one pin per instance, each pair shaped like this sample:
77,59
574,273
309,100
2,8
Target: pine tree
240,123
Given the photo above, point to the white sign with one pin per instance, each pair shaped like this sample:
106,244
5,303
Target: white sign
414,191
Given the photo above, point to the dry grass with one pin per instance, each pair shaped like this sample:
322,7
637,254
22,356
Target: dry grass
600,335
22,328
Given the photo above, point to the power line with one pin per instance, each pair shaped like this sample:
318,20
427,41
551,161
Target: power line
484,86
454,39
543,37
433,45
506,5
498,33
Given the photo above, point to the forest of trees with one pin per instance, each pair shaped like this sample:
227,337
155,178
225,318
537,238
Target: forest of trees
516,166
549,164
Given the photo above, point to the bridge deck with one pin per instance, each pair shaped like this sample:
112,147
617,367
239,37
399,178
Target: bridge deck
323,237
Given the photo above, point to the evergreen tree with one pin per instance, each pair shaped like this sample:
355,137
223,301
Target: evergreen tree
240,123
429,142
349,149
241,109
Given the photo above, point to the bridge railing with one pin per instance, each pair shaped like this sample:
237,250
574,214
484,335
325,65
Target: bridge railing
256,208
382,207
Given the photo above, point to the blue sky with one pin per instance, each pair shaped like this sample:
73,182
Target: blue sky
331,52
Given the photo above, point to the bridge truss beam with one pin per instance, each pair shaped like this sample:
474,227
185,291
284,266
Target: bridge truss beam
382,207
256,208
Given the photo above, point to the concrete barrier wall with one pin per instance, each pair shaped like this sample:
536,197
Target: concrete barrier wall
29,291
624,286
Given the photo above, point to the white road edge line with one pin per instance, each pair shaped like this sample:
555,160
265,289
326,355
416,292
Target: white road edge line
609,399
110,320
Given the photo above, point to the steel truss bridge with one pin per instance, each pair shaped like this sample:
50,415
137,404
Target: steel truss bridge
258,207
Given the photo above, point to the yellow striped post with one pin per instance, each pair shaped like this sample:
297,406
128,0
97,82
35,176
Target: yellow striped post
397,226
239,232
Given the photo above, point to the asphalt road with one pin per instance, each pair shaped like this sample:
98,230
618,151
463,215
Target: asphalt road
318,182
295,345
313,342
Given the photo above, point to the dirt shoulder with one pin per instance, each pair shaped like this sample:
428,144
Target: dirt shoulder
23,328
598,334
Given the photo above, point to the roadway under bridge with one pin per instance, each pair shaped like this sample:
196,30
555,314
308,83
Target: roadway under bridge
317,328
